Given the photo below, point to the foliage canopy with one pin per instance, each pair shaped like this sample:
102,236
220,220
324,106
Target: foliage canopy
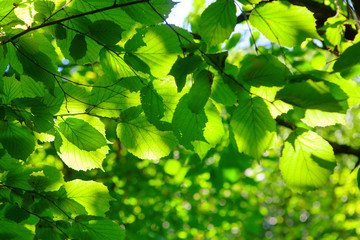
106,111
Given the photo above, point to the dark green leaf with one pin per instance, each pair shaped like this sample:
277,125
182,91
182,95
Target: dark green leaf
106,32
17,140
188,126
263,70
320,95
152,104
182,67
349,58
78,47
200,91
14,231
16,214
94,228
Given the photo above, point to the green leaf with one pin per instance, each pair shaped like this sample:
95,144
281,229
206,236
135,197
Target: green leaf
263,70
38,57
11,89
317,118
44,7
45,230
319,95
217,22
160,48
188,126
15,175
15,213
30,88
35,68
349,87
78,47
54,176
111,100
213,132
170,97
233,41
283,23
333,26
182,67
91,228
60,32
14,231
94,196
106,32
144,14
249,1
17,140
82,134
75,45
221,92
77,158
144,140
349,58
200,91
307,161
253,126
152,104
114,64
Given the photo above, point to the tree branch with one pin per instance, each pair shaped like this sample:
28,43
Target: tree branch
71,17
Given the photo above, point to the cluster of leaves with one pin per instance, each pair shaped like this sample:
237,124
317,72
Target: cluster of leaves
158,90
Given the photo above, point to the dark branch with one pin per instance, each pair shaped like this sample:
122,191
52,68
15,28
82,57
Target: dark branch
243,17
71,17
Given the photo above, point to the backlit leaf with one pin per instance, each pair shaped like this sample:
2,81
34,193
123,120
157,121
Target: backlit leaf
79,159
217,22
159,50
284,23
144,140
94,196
307,161
82,134
253,126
